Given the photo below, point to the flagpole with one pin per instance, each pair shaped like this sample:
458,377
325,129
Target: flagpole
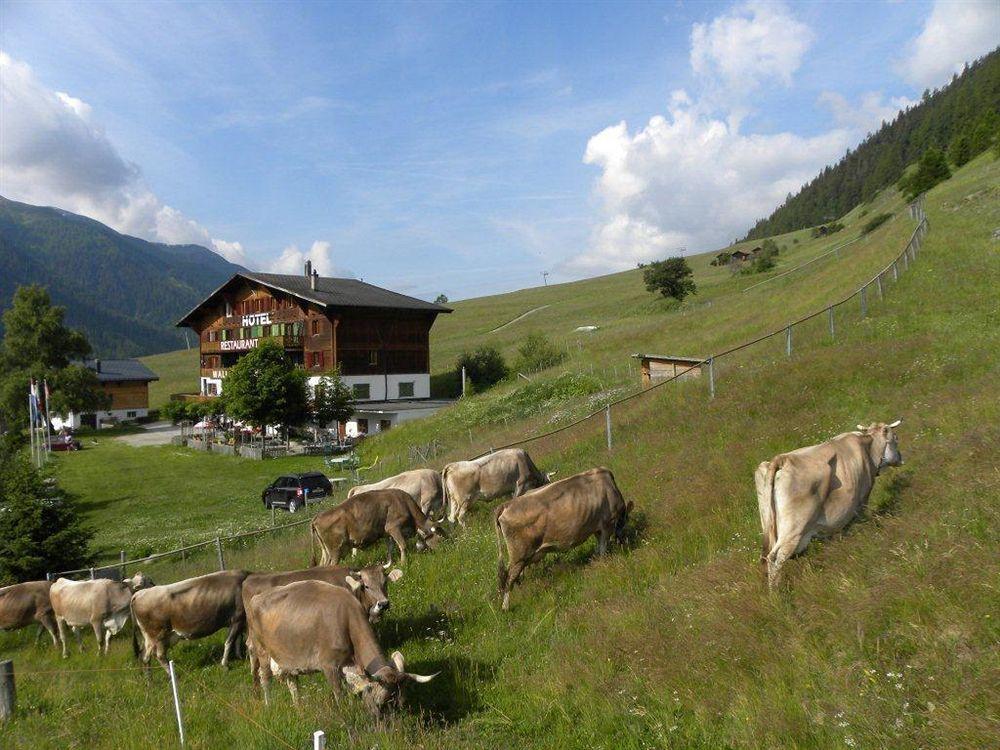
31,424
48,430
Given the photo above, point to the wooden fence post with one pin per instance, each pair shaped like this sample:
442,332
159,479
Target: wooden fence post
788,341
895,272
8,695
218,549
864,302
92,574
319,740
121,562
607,424
878,285
829,312
711,377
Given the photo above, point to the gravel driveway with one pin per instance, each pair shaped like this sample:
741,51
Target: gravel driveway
155,433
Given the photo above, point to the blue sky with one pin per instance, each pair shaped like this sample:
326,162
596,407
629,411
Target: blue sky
456,148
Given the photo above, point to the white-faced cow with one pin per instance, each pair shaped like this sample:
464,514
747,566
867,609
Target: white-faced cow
506,472
189,609
423,485
557,517
313,626
25,603
818,490
370,585
364,519
103,604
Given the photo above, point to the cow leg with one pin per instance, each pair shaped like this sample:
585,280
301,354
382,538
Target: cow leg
782,550
334,675
513,574
232,643
602,541
48,622
397,536
99,632
293,687
61,625
254,668
264,673
107,640
79,637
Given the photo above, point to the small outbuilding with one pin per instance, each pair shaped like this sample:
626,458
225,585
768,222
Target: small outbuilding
661,367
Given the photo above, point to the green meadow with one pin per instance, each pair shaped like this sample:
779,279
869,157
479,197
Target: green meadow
885,636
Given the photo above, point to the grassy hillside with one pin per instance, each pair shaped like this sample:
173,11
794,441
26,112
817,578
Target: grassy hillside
884,637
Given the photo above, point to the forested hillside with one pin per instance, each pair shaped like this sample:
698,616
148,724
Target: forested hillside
963,118
123,292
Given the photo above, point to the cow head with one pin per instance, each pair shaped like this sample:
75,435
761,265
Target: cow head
139,581
621,521
370,586
384,688
885,444
430,536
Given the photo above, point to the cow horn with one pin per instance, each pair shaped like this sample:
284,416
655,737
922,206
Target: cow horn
897,423
387,565
422,678
861,428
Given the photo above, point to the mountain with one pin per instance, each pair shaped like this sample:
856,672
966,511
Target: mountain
123,292
967,109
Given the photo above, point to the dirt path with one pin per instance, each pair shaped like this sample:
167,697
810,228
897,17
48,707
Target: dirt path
519,317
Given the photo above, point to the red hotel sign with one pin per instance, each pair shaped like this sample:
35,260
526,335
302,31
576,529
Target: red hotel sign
238,345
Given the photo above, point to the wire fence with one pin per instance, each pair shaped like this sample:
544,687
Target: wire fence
824,321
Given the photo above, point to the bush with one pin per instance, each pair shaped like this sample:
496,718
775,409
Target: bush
671,278
41,530
175,411
537,353
485,367
931,170
875,223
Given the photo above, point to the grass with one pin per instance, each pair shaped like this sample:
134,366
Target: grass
884,637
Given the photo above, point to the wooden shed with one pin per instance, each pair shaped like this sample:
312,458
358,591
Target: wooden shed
660,367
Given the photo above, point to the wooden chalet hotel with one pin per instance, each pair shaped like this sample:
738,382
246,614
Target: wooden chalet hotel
378,338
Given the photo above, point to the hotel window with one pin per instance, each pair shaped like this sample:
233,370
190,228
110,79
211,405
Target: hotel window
130,415
406,389
267,330
362,391
315,327
373,358
363,426
256,331
245,332
227,334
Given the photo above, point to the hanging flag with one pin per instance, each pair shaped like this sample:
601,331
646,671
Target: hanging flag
33,403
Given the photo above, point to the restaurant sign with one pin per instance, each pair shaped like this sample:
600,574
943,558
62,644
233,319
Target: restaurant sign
238,345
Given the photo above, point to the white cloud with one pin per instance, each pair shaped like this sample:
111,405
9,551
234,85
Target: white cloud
691,180
54,155
953,34
868,114
320,253
752,42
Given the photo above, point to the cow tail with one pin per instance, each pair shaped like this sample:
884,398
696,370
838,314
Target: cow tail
135,631
445,497
313,541
769,516
501,546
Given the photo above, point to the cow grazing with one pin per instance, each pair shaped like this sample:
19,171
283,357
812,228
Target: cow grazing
313,626
370,585
25,603
506,472
423,485
818,490
103,604
364,519
189,609
557,517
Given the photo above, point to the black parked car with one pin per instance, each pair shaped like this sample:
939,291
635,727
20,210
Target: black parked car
293,491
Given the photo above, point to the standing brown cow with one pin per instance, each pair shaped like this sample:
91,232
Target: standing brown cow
557,517
189,609
509,471
312,626
818,490
423,485
102,604
364,519
25,603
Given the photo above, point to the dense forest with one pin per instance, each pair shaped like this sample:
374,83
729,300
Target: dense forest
124,293
962,119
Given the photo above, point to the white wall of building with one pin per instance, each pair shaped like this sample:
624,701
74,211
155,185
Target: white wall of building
74,421
377,385
375,417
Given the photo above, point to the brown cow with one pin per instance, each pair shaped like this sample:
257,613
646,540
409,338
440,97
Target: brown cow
557,517
506,472
26,603
189,609
364,519
103,604
423,485
368,584
818,490
313,626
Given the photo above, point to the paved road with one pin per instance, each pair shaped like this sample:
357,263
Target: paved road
522,316
155,433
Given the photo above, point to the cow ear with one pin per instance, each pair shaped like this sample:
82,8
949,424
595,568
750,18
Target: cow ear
398,662
395,574
353,582
862,428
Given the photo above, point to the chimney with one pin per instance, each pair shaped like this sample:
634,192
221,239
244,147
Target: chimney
312,280
309,268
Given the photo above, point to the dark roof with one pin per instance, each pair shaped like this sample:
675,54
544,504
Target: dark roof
120,369
332,292
667,357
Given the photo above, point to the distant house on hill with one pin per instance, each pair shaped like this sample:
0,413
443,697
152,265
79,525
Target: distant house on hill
656,367
741,256
127,382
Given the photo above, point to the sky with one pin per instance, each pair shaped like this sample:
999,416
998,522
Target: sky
456,148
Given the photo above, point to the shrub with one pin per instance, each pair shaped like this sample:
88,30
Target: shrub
671,278
536,353
175,411
931,170
485,367
875,223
